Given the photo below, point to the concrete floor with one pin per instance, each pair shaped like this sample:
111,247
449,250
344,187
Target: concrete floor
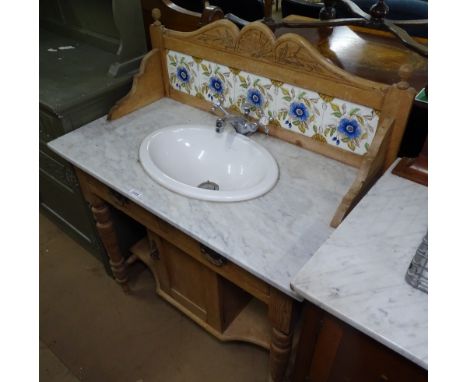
91,331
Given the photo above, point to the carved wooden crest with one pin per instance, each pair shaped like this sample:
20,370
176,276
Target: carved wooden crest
258,42
223,36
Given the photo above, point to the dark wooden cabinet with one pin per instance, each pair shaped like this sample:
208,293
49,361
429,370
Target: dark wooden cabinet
332,351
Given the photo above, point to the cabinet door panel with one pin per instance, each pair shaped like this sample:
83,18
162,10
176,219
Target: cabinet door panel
185,276
361,359
332,351
187,281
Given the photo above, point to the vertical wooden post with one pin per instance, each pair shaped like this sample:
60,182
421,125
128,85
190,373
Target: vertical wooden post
268,9
157,43
108,237
328,11
156,30
379,10
210,13
281,314
328,341
397,104
309,333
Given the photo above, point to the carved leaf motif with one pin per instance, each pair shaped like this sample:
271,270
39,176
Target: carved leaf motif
255,44
219,37
291,54
294,55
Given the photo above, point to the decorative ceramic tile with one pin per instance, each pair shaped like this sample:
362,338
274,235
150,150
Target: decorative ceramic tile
183,73
329,120
256,91
216,83
299,110
348,125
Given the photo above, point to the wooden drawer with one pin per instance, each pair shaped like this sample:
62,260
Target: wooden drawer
228,270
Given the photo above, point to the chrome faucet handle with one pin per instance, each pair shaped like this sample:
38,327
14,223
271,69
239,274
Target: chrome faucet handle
219,101
246,108
263,122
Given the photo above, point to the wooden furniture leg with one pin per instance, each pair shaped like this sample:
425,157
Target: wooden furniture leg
268,8
105,227
278,3
281,313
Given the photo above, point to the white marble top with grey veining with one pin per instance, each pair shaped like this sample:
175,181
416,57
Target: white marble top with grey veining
272,236
358,275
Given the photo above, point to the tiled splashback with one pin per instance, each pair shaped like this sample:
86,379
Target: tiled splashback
326,119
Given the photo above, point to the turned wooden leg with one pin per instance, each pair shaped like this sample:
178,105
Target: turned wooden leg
281,312
108,237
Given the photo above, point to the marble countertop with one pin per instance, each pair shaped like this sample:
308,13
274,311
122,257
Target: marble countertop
358,274
272,236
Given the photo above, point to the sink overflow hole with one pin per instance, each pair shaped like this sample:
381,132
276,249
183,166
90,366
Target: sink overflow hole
208,185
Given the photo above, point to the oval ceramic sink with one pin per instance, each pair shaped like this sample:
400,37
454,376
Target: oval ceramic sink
193,160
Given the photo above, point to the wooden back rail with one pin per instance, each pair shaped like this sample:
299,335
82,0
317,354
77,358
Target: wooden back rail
289,59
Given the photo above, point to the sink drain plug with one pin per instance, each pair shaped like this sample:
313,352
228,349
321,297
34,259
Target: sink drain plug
208,185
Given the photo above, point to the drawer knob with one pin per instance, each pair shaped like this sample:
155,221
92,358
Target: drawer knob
213,257
119,198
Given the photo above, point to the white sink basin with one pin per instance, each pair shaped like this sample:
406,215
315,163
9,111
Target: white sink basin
184,157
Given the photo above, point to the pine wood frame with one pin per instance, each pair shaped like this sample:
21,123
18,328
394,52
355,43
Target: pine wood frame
290,59
274,332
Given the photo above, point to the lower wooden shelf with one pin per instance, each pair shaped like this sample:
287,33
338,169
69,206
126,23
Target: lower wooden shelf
249,324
